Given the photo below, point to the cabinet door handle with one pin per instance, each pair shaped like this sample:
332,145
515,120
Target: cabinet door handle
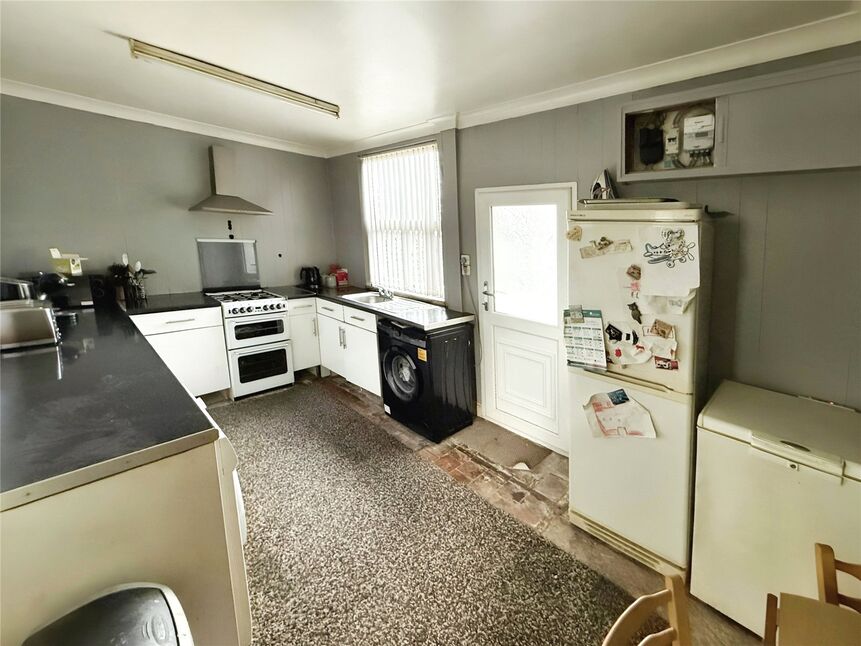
358,318
314,326
328,309
180,321
301,307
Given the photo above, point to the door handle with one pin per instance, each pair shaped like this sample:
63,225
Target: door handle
180,321
344,333
341,341
314,326
486,295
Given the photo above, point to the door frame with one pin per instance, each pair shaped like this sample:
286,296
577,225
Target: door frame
562,416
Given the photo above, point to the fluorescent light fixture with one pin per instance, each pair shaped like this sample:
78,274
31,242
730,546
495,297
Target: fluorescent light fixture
145,50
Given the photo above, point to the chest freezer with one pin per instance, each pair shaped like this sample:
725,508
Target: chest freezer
774,475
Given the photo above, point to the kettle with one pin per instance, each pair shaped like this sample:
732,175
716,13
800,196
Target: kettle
310,278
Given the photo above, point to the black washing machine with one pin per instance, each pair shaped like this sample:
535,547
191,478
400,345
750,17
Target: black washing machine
428,378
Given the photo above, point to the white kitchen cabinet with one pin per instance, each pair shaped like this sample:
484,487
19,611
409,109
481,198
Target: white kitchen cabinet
304,334
331,347
197,356
350,350
362,363
304,341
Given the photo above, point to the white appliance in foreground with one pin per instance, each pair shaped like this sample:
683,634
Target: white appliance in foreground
775,474
635,492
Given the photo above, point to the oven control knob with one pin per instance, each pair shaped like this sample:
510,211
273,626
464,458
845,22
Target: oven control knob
281,306
265,307
241,310
234,311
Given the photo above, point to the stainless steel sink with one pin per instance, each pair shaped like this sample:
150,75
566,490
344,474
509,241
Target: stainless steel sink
388,305
368,298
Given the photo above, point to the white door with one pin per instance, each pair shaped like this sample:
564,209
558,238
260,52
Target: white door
522,280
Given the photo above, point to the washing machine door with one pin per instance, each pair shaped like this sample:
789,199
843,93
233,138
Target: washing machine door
401,374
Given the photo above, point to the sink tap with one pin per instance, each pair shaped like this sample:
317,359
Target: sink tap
386,293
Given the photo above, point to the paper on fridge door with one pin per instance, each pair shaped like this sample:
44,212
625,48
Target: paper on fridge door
615,414
671,265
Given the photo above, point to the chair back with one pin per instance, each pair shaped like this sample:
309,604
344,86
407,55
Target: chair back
827,567
637,614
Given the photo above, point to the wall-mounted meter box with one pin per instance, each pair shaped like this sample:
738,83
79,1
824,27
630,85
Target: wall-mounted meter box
672,140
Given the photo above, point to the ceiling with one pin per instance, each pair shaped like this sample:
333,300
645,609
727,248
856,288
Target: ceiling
395,68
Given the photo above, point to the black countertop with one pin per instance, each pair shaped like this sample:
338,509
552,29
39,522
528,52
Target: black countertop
99,403
173,302
424,317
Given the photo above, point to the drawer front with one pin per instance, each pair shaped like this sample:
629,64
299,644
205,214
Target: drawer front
162,322
300,306
360,318
330,309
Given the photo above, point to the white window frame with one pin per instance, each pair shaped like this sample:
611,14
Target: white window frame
441,299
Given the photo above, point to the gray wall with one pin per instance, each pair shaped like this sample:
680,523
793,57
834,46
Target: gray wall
787,301
101,186
344,179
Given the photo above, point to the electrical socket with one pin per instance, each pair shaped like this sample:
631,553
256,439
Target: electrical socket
465,266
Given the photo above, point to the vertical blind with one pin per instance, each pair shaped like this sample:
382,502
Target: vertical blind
403,220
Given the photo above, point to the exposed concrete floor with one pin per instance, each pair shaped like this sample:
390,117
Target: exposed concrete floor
537,498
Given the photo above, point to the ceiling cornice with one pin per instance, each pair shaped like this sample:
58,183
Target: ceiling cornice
830,32
415,131
98,106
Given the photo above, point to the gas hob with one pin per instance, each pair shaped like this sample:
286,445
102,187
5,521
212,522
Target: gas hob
250,302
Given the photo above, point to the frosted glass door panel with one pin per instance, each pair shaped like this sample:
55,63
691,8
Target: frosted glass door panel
524,242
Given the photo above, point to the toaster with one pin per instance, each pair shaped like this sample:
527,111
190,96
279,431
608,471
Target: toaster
27,323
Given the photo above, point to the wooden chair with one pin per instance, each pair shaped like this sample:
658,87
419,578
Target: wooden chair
636,615
826,574
769,636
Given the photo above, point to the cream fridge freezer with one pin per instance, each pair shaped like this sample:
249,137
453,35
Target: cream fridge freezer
775,475
646,268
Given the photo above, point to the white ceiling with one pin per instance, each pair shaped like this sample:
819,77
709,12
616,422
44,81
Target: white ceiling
395,68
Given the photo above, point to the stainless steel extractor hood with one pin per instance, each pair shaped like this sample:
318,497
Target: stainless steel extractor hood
222,200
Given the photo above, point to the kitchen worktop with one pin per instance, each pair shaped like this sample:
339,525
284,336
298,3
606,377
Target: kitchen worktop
424,318
100,403
173,302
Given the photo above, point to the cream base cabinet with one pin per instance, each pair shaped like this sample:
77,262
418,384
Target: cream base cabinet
331,349
304,333
348,344
174,521
362,358
192,345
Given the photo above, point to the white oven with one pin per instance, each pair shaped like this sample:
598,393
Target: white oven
247,331
260,368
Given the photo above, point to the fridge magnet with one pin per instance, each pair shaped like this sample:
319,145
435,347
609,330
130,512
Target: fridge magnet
672,250
584,341
617,415
650,304
624,345
574,314
662,329
660,347
634,271
666,364
622,333
635,312
604,246
630,285
672,260
575,233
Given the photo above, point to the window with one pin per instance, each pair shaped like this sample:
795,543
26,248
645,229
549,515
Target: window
403,221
